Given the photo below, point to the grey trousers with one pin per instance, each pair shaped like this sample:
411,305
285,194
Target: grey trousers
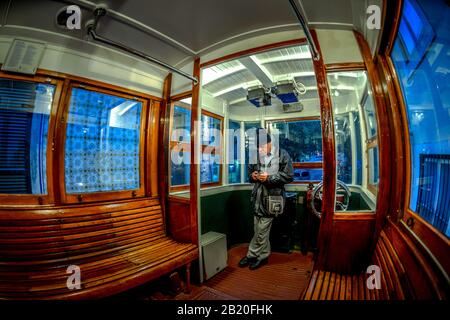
260,245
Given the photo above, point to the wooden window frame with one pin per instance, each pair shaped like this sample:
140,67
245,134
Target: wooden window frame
178,103
49,198
434,239
370,142
103,195
302,165
220,148
148,165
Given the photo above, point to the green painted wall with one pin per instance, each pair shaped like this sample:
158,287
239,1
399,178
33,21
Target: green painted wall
229,213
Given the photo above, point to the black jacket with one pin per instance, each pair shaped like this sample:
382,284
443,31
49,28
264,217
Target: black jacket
274,185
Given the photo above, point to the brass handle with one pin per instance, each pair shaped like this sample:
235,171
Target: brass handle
134,194
80,198
410,222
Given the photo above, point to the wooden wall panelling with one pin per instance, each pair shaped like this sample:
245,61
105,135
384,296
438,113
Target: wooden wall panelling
195,139
163,147
350,242
383,138
426,282
179,211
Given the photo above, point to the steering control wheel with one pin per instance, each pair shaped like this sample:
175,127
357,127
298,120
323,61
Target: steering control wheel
343,195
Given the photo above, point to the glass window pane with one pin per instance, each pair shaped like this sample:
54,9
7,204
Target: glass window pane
180,168
180,154
373,166
234,149
308,174
211,136
422,67
358,165
210,168
24,120
102,142
211,131
354,124
369,111
301,139
343,134
181,125
250,135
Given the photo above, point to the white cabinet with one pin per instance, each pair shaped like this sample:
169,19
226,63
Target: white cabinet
215,255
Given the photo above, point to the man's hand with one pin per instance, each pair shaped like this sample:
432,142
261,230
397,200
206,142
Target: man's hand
255,175
263,176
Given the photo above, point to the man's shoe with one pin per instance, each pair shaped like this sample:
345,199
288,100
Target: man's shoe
258,263
246,261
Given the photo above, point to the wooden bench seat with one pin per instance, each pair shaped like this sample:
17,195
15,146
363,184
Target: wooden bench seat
325,285
116,246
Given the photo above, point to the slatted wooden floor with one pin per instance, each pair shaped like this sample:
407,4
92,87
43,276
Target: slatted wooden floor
283,278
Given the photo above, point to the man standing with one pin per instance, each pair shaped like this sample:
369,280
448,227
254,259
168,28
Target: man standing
273,169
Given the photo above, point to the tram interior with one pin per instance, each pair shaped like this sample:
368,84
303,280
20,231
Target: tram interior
125,144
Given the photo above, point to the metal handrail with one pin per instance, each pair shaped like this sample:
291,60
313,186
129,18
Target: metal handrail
304,25
91,30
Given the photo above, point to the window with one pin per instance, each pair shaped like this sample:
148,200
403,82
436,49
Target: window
355,121
180,146
250,134
25,109
369,114
234,152
211,139
302,139
103,142
420,57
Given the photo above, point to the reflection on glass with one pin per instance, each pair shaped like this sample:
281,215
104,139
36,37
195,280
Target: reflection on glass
102,142
308,174
421,59
234,147
355,130
24,119
301,139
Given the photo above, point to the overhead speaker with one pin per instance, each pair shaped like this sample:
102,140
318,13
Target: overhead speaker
24,56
